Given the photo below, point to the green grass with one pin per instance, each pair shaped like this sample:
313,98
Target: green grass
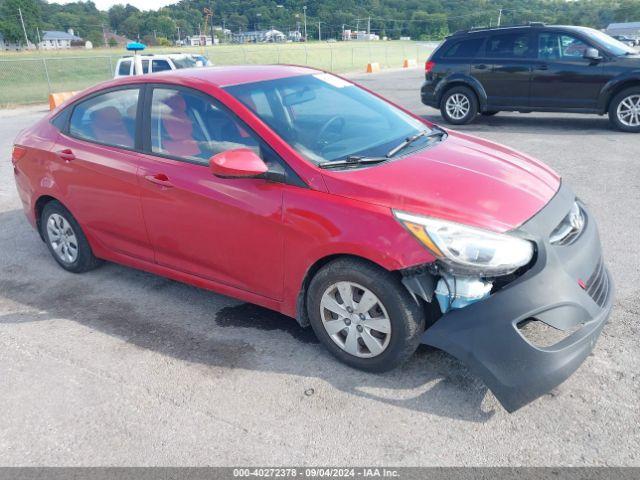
23,78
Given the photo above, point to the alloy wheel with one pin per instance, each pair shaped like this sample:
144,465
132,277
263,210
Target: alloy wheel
629,111
355,319
62,238
458,106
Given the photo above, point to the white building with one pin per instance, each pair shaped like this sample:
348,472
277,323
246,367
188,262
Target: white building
259,36
199,41
360,35
55,40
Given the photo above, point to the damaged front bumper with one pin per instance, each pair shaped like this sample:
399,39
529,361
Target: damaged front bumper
568,288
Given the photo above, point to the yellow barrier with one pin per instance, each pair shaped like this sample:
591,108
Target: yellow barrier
373,67
56,99
409,63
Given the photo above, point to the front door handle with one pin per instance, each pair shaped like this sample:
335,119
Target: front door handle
544,66
159,179
67,155
482,66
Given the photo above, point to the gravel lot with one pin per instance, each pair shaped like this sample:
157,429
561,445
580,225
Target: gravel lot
119,367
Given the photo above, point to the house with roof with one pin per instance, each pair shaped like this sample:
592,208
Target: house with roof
56,40
628,29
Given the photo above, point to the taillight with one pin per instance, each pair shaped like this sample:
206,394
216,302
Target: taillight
18,153
428,66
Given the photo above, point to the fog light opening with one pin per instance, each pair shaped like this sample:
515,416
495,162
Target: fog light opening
542,335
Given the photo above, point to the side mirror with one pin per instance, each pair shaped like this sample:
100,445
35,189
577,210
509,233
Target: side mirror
237,163
592,54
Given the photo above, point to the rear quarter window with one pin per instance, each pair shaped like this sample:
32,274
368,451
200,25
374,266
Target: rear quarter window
464,49
125,67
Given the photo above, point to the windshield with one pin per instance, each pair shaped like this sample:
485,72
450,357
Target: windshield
326,118
184,62
614,46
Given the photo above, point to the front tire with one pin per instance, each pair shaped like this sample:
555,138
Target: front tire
363,315
65,239
624,110
459,106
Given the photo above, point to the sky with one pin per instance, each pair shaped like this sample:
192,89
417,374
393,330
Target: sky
141,4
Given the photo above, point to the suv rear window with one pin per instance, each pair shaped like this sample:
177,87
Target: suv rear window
509,45
464,49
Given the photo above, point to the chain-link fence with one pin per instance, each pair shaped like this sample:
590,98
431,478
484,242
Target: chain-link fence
30,77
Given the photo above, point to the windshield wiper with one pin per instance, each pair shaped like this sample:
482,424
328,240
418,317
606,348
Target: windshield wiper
409,140
359,160
352,160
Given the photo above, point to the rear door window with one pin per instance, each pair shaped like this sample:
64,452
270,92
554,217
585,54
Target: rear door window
109,118
509,45
464,49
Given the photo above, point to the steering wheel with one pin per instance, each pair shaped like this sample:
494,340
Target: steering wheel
336,119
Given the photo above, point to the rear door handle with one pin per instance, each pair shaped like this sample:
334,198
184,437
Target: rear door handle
159,179
67,155
542,67
482,66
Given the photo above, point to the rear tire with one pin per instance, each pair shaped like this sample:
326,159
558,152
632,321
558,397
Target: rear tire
624,110
376,308
65,239
459,106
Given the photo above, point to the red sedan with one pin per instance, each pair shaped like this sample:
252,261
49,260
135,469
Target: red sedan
299,191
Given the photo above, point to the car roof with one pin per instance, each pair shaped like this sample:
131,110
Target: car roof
158,55
508,28
222,76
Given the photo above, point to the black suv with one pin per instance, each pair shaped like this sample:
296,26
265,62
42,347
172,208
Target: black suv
534,68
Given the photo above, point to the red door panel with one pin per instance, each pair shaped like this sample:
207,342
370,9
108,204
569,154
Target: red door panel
101,187
226,230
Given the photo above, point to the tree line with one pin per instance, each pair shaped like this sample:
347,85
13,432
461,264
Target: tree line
419,19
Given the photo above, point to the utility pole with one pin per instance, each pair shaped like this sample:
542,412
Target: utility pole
104,36
304,9
319,32
368,28
23,27
179,39
499,16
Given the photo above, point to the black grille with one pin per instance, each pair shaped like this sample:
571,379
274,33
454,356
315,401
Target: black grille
598,284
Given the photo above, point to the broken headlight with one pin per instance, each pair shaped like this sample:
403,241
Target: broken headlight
469,249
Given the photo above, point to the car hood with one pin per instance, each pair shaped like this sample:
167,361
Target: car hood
462,178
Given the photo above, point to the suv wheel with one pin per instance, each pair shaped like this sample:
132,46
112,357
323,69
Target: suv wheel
624,111
459,106
363,315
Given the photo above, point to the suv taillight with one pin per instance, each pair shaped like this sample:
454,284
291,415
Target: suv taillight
428,66
18,153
